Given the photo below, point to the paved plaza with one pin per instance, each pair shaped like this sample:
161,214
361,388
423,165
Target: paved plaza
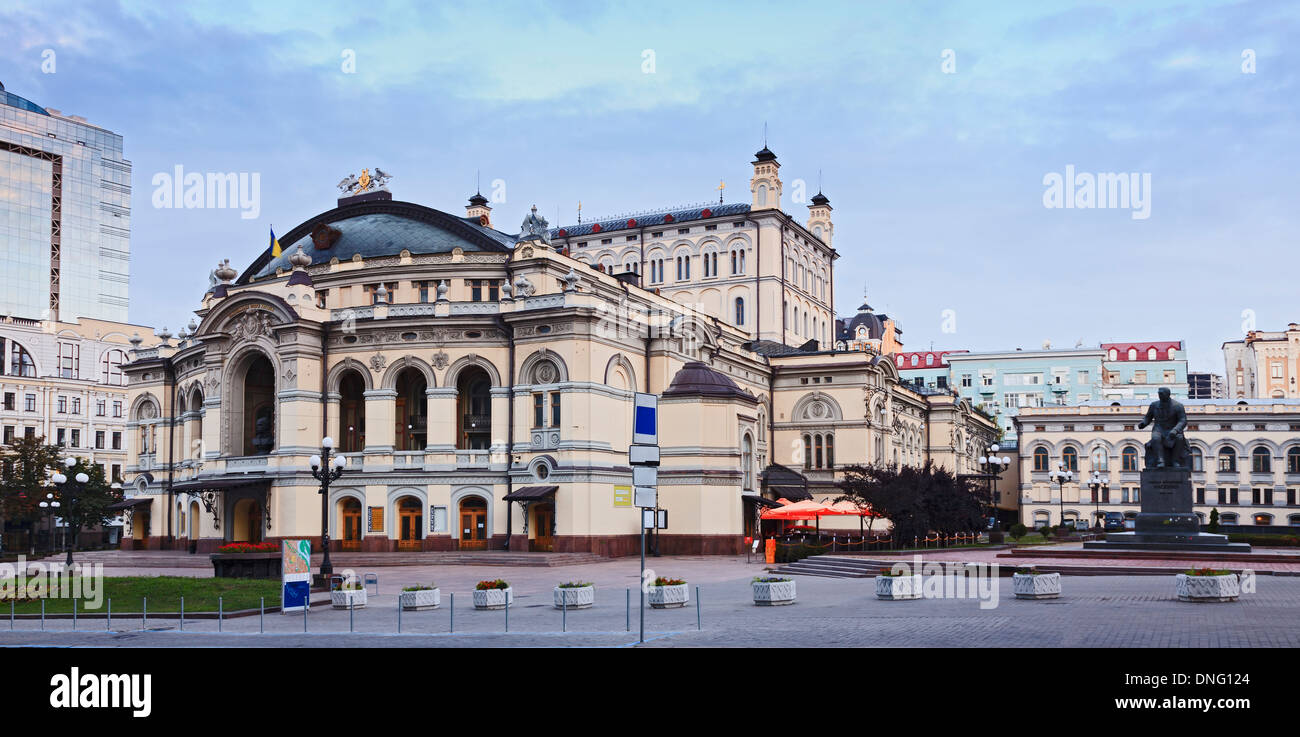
1093,611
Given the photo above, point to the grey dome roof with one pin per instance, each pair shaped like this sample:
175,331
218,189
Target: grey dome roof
379,228
696,379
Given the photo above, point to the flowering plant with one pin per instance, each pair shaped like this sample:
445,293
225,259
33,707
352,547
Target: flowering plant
575,585
420,587
890,572
1207,571
661,581
267,547
770,579
1027,570
488,585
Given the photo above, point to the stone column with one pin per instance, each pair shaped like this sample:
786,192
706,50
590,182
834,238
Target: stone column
381,413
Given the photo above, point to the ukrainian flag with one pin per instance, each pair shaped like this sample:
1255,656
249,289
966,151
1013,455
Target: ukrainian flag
275,245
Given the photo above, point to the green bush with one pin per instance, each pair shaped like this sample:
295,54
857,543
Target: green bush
1046,532
1214,521
1018,531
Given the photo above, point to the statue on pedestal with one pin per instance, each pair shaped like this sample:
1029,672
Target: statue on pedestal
1167,447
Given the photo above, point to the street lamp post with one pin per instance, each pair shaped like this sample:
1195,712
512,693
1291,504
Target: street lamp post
1061,476
72,492
1099,486
994,466
50,507
325,472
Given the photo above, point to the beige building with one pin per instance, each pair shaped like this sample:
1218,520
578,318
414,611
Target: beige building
63,381
1245,460
1264,364
480,384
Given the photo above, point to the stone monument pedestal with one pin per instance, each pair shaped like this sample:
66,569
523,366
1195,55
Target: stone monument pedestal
1167,522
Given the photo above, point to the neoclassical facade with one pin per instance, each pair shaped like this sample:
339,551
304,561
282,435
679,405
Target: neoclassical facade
1245,460
480,385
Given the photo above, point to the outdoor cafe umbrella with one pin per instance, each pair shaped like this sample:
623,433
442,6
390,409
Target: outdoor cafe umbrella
847,508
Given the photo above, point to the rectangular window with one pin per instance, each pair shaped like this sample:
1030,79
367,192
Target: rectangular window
117,441
322,298
63,405
99,439
422,289
493,287
59,437
29,433
116,473
69,360
117,409
9,434
539,410
965,380
1256,496
1139,377
1200,495
1084,377
11,401
101,407
475,291
76,405
1290,497
1223,496
76,438
1268,496
555,409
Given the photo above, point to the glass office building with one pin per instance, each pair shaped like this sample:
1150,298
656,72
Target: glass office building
65,216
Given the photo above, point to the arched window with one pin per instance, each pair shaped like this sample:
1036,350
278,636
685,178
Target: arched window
1070,457
1198,460
1132,354
1041,459
747,462
1113,356
740,310
19,361
1100,460
830,451
1228,460
1151,354
1293,460
1261,460
110,368
1130,456
352,413
807,452
817,450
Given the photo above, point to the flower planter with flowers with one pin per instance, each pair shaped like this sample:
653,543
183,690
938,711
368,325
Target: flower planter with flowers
493,595
419,597
246,560
773,590
894,586
350,595
1028,583
1207,584
668,593
575,595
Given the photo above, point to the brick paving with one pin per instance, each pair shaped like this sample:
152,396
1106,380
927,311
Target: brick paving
1100,611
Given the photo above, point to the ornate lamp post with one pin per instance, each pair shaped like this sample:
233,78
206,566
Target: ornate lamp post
1100,486
71,492
1061,476
50,507
994,466
325,472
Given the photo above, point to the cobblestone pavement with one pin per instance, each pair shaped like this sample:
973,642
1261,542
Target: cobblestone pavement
1096,611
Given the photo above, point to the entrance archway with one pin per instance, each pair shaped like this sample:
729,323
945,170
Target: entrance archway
410,523
412,418
352,413
246,522
194,527
473,523
350,523
474,409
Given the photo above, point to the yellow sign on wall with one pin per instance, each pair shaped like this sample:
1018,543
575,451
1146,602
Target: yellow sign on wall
622,496
376,519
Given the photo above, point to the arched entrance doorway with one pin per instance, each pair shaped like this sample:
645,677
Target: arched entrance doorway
246,522
350,524
352,413
257,423
194,527
410,523
141,519
542,525
473,523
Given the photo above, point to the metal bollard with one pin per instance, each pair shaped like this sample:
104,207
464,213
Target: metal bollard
144,613
507,614
182,614
698,625
74,615
352,608
399,614
221,611
304,612
452,609
11,613
42,615
564,613
109,625
261,615
627,599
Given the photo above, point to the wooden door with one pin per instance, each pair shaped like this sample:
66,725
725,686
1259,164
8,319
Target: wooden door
543,528
409,522
351,527
473,525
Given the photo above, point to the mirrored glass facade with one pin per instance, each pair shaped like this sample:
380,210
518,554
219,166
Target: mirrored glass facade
65,216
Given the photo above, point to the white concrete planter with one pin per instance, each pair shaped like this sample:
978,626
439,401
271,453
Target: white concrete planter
896,588
420,599
1036,585
348,599
777,593
1207,588
493,598
669,597
581,597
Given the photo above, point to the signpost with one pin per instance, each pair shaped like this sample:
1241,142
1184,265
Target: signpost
295,576
644,457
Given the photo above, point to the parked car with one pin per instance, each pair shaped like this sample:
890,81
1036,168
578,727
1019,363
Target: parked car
1114,521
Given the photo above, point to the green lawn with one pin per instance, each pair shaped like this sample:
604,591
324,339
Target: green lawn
164,594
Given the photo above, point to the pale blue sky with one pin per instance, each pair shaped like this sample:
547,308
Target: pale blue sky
936,179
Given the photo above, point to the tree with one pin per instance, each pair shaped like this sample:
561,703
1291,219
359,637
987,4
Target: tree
85,505
1214,521
917,499
25,467
1018,531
